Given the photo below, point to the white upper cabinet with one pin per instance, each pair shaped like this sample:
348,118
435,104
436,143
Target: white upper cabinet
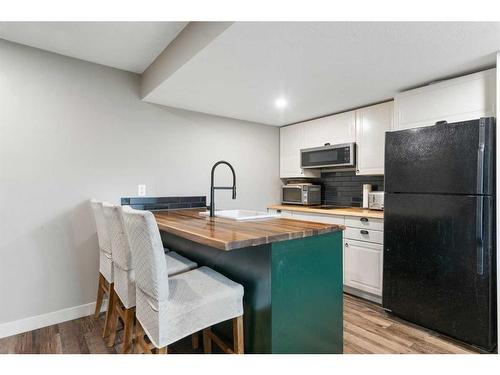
292,140
334,129
371,125
459,99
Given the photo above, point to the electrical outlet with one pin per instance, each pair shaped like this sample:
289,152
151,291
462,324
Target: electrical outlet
141,190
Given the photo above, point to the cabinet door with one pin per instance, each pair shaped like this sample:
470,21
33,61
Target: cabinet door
289,151
460,99
292,140
335,129
363,266
371,125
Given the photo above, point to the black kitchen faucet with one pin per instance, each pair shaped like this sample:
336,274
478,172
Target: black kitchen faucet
213,188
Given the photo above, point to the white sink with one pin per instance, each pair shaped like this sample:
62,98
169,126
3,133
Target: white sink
241,215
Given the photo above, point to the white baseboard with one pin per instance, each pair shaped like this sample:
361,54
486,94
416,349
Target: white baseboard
39,321
365,295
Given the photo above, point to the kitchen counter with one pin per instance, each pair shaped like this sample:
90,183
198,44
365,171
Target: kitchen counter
227,234
352,211
291,272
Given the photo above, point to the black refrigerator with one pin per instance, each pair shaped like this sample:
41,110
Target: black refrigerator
439,229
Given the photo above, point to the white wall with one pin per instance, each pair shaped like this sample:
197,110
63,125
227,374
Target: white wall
72,130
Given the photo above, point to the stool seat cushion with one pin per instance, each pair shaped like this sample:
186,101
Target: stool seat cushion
177,264
197,299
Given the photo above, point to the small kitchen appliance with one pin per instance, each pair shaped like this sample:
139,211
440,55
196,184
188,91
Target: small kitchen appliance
305,194
376,200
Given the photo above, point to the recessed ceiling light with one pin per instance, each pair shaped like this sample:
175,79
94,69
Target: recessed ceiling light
280,103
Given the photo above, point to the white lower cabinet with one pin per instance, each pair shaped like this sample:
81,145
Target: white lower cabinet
363,265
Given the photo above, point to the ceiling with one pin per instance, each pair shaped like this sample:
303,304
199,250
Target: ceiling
130,46
318,68
322,67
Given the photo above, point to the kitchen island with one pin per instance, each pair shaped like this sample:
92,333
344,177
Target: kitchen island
291,271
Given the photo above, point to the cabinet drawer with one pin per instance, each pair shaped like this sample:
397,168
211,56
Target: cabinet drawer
286,214
361,234
328,219
364,222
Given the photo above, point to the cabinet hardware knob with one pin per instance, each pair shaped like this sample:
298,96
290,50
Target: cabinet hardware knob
363,231
364,219
346,244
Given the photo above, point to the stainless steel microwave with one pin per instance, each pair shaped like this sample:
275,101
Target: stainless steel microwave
304,194
329,156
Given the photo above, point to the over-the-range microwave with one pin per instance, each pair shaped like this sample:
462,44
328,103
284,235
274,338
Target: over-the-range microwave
329,156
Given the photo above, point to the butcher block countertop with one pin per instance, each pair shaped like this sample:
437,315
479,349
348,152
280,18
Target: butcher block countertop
352,211
227,234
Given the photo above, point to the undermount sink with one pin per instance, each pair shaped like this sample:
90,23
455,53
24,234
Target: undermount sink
241,215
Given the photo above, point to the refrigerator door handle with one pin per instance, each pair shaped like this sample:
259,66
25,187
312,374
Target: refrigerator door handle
480,157
479,237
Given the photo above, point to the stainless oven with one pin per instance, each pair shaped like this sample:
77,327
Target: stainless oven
303,194
329,156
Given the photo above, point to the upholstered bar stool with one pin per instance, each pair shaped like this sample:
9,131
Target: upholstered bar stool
105,284
124,276
169,308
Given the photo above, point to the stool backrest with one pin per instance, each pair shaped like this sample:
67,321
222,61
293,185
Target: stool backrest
120,246
101,226
148,255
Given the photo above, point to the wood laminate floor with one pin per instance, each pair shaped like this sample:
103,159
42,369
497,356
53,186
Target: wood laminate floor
367,329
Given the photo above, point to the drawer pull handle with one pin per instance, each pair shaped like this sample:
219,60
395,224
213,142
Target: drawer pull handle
364,219
346,244
363,231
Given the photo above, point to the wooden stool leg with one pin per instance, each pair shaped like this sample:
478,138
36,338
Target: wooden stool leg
128,329
195,341
142,345
207,341
113,324
160,350
238,338
139,336
100,295
110,311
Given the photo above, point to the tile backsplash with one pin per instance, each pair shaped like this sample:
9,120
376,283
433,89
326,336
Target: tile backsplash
346,188
165,203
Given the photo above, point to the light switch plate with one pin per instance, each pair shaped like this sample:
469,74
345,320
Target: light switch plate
141,190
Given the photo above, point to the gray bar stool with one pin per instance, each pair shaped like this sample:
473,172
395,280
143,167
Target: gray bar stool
105,285
169,308
124,276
